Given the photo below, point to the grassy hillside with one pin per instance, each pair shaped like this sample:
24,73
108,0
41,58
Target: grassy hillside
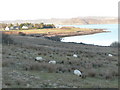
20,70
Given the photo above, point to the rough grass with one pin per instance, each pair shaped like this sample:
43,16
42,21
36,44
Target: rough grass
6,39
21,70
115,44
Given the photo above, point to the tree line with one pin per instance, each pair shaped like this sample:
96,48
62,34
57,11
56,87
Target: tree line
29,25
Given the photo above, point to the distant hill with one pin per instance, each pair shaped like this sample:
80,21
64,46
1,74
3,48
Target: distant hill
91,20
71,21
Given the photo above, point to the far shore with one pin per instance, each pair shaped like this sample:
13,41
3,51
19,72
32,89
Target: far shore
62,32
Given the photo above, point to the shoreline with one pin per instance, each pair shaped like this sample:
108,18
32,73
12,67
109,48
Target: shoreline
75,34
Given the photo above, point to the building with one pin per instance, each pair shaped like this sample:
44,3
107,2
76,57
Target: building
15,28
7,28
24,27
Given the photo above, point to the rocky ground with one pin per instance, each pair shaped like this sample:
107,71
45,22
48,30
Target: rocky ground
20,70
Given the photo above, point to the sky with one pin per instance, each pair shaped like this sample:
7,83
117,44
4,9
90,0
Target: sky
46,9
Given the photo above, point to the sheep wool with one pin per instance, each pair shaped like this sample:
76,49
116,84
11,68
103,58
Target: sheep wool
77,72
38,59
74,55
52,62
110,55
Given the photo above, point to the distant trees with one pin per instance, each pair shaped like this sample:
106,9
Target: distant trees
49,26
11,25
37,26
3,25
42,25
29,25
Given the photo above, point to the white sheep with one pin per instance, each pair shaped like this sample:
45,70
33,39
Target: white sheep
74,55
110,55
78,73
52,62
39,59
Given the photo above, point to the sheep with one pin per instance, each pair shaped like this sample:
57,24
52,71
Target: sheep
83,76
78,73
52,62
110,55
74,55
39,59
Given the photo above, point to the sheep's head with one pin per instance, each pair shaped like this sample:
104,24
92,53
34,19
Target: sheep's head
80,75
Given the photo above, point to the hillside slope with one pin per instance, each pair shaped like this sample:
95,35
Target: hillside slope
71,21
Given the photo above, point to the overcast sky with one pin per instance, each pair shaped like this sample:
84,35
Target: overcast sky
39,9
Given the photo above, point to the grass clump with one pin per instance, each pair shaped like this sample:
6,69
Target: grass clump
92,73
21,34
115,44
41,67
7,63
6,39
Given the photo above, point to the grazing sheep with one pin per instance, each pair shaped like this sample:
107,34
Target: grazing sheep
39,59
110,55
78,73
74,55
52,62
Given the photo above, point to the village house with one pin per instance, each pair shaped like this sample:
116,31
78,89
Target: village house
12,28
7,28
16,27
24,27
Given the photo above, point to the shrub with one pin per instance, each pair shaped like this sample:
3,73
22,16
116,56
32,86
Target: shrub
92,73
107,75
114,72
6,39
51,68
69,54
41,67
115,44
61,68
54,38
6,63
21,34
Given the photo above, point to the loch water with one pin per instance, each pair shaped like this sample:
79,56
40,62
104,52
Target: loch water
102,39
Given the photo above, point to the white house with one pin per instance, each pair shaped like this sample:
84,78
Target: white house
24,27
7,28
11,28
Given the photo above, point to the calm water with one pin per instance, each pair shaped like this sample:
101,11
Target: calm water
103,39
